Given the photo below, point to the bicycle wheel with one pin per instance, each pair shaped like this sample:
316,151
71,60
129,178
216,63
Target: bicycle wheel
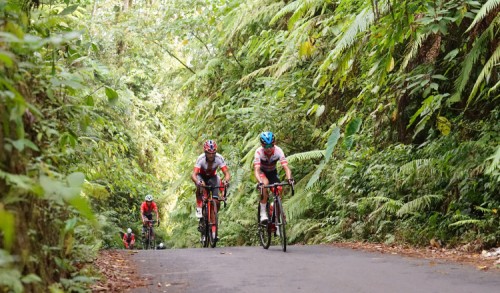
146,240
264,231
152,242
213,224
204,232
280,222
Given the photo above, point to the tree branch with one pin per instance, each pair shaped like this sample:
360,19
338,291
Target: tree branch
175,57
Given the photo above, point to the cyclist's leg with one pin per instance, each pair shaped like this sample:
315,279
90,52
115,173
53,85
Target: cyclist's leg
272,176
215,181
265,181
199,193
263,200
145,225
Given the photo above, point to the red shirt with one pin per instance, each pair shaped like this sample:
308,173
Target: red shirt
126,239
145,209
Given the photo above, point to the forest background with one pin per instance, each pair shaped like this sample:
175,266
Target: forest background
387,110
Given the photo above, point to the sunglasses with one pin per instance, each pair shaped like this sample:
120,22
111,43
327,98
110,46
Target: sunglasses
268,146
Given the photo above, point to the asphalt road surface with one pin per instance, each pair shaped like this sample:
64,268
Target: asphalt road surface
308,269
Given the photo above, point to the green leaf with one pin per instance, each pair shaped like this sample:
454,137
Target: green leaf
316,174
76,179
6,58
7,227
31,278
89,101
443,125
81,204
351,129
69,10
332,141
112,95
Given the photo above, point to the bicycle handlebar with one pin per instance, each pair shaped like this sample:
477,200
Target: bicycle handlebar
278,184
210,187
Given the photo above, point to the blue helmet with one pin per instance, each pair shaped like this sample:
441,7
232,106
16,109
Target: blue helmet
267,138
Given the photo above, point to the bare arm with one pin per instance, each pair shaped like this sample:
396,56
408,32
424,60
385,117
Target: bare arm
194,176
227,176
256,171
288,172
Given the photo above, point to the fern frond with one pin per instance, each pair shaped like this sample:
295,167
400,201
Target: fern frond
423,168
289,8
483,12
307,5
480,45
360,24
245,14
494,167
256,73
485,72
389,206
310,155
414,48
298,205
419,204
467,222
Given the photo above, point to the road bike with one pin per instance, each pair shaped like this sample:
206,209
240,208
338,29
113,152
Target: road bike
148,241
276,214
209,223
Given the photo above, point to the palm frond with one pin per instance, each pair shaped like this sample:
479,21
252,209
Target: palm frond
419,204
310,155
483,12
485,73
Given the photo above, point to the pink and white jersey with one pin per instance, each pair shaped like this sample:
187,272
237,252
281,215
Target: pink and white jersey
209,169
269,163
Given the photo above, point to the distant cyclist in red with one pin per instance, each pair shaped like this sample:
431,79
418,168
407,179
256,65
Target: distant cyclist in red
205,172
265,160
147,209
129,239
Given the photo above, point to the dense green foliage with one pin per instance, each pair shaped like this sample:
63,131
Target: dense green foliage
387,110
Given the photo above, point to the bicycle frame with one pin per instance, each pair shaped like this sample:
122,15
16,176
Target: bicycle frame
149,239
209,222
277,218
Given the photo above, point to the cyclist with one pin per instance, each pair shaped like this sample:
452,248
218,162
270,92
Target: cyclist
148,206
205,173
129,239
265,171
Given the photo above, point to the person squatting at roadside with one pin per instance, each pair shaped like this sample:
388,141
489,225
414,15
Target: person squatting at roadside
265,171
205,173
129,239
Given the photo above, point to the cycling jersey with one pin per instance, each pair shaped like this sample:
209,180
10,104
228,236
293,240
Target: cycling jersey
128,238
147,210
207,169
268,163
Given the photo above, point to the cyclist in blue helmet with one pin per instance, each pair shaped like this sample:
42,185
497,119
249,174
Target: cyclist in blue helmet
265,160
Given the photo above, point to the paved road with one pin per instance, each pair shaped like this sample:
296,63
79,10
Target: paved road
305,269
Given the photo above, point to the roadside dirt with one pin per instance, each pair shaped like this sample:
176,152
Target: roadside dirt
431,253
119,273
